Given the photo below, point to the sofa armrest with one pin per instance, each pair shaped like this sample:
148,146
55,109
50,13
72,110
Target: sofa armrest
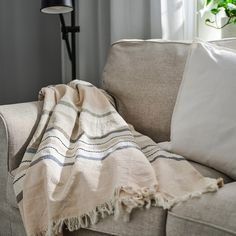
17,125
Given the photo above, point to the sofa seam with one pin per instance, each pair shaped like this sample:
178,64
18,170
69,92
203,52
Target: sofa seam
152,41
201,222
183,42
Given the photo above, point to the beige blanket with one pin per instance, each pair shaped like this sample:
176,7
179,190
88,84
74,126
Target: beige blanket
85,162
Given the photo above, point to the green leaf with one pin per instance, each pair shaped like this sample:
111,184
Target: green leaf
233,13
208,2
234,21
215,11
222,4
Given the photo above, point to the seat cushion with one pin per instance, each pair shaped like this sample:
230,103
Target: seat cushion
214,214
142,222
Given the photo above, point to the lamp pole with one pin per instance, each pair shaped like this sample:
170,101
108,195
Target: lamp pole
60,7
73,42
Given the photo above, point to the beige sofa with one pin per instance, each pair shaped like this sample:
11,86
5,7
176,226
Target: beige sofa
144,77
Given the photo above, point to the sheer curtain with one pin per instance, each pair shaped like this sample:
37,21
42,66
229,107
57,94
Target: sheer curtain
105,21
178,19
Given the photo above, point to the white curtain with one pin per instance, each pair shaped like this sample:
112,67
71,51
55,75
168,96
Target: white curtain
178,19
105,21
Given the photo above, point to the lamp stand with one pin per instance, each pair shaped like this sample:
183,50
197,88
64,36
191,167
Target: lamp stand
73,29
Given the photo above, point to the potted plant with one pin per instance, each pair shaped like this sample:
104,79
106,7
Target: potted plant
223,12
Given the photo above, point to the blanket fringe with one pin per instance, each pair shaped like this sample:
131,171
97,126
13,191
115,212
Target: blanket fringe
213,186
124,201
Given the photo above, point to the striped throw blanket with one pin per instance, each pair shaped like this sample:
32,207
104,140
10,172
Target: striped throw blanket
85,162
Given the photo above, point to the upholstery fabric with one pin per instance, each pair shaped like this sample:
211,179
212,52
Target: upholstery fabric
17,122
19,129
11,223
208,93
144,77
4,205
209,172
211,215
137,74
143,222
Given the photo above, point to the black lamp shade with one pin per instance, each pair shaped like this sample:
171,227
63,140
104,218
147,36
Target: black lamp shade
56,6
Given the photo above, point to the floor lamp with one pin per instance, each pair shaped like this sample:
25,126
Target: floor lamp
60,7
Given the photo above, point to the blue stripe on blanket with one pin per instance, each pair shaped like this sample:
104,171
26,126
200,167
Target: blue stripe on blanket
150,145
90,144
98,115
90,137
31,150
18,178
19,197
69,105
91,151
151,152
171,158
53,158
86,110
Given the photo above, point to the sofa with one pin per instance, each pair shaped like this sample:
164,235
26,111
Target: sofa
144,78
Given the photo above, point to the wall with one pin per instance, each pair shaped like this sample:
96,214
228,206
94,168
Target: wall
104,21
30,50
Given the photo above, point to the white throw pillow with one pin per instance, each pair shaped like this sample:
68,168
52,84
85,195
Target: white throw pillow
203,127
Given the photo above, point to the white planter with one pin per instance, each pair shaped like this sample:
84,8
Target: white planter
209,33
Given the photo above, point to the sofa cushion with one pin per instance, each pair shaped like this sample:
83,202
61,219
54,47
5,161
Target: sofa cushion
144,77
204,107
214,214
143,222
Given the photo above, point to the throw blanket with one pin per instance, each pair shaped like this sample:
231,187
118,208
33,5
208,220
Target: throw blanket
85,162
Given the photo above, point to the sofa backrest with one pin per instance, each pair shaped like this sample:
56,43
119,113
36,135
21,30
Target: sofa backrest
144,78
